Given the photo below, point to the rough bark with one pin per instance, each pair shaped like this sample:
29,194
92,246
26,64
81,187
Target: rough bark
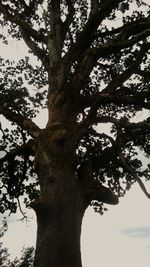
58,234
61,206
64,194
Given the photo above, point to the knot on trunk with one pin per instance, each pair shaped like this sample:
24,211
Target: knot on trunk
53,140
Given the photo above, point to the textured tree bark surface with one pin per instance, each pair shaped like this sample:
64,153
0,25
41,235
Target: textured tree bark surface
58,235
60,207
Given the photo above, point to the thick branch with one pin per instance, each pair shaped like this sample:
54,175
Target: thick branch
123,123
70,16
93,118
85,66
145,74
91,189
36,50
94,6
127,30
23,122
136,100
86,36
116,45
55,38
122,159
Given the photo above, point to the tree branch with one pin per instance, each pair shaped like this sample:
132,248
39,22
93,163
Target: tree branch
25,149
123,123
93,54
130,170
55,36
116,45
122,159
123,77
16,18
92,189
127,30
36,50
144,73
69,18
83,70
23,122
94,6
136,100
29,9
86,36
100,99
88,61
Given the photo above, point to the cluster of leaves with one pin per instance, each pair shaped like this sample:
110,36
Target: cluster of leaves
26,259
105,164
17,174
14,94
3,251
22,89
27,14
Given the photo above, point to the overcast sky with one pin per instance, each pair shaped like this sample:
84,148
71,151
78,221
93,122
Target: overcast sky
121,237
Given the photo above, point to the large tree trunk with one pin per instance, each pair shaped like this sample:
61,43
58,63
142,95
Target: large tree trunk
63,196
58,235
60,207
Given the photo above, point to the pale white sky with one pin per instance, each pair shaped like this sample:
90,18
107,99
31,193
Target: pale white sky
104,241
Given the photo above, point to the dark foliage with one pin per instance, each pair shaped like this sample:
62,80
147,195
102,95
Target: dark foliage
103,49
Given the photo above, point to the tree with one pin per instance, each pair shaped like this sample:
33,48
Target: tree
92,69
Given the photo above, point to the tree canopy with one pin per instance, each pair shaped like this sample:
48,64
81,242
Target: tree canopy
99,49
